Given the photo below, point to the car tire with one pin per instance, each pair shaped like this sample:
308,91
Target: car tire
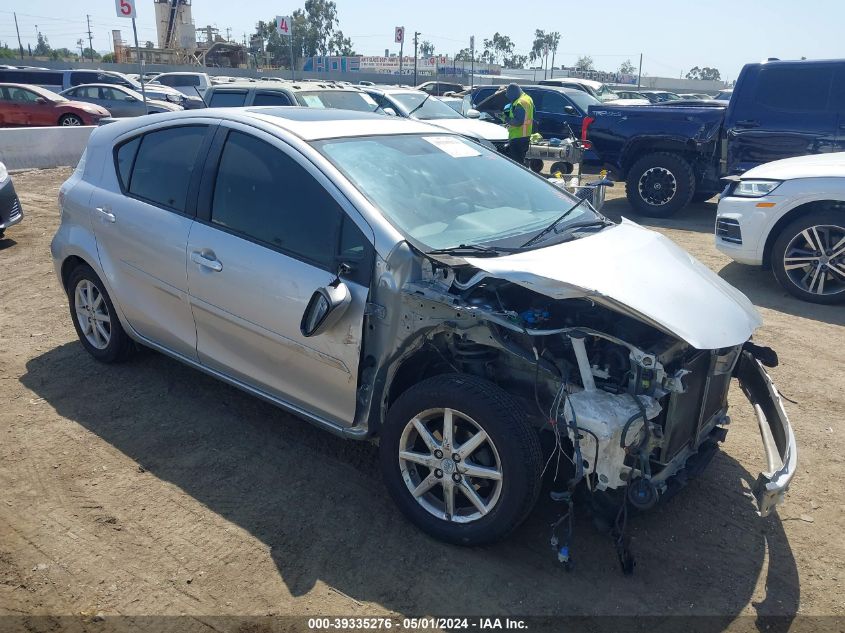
535,165
95,319
792,243
510,447
660,184
70,119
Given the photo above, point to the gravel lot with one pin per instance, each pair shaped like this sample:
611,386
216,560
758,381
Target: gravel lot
149,488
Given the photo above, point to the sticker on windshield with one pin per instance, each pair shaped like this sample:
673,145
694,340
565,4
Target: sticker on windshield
455,147
368,99
313,101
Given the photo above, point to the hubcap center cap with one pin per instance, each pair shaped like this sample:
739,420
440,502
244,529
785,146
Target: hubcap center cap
448,466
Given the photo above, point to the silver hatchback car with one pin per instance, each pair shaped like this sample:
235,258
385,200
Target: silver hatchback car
386,279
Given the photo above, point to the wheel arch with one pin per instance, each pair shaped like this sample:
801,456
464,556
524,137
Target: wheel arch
69,264
793,214
637,148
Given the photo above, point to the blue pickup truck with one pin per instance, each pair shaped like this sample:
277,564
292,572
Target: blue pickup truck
672,155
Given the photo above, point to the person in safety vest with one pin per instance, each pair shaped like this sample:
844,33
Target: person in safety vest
520,121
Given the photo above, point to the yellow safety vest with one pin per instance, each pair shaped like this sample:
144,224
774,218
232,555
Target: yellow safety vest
527,127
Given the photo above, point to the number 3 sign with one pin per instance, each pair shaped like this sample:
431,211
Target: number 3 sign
125,8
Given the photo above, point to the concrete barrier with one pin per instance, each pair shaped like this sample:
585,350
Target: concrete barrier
42,147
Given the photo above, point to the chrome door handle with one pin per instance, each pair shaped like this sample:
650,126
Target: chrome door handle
205,262
106,211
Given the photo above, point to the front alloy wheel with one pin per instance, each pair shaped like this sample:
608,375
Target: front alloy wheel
808,258
460,459
450,465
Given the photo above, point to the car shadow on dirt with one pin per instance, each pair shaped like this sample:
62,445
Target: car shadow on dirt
6,242
762,288
699,217
318,502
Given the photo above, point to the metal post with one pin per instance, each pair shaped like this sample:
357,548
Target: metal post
416,34
17,30
90,39
290,41
640,73
472,62
141,64
401,55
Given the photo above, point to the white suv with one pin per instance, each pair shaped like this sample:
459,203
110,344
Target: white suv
790,215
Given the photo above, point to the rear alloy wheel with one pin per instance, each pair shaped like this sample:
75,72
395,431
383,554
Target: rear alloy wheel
460,459
94,317
660,184
808,258
70,119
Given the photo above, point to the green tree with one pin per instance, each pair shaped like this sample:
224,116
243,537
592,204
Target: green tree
585,63
497,48
463,55
90,53
706,73
542,42
42,49
108,58
515,61
426,49
6,52
341,45
627,68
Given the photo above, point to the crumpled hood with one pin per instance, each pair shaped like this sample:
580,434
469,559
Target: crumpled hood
640,272
472,127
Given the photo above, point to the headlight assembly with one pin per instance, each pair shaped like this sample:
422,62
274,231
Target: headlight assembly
755,188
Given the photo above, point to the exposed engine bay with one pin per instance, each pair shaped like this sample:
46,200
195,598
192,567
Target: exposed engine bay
627,408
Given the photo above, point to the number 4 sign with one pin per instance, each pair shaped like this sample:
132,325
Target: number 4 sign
283,24
125,8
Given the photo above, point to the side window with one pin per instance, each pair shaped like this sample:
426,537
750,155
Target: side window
125,156
803,89
554,102
837,93
228,99
166,81
164,164
356,251
266,196
21,94
271,98
88,92
537,96
82,77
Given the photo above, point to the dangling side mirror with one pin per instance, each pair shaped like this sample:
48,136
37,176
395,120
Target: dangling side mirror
472,113
325,308
389,111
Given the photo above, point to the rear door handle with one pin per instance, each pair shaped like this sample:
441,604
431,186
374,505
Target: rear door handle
106,211
206,262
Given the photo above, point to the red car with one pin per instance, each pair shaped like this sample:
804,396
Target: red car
22,104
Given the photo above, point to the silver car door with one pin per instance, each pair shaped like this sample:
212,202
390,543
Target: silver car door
142,217
267,236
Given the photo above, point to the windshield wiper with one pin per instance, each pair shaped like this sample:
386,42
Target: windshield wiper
471,249
552,226
419,105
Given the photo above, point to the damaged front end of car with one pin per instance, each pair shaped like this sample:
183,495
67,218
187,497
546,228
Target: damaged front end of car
624,360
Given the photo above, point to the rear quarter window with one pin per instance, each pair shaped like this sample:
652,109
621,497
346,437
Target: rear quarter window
228,99
163,165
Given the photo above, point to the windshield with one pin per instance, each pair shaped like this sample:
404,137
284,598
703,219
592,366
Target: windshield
582,99
431,110
336,99
443,191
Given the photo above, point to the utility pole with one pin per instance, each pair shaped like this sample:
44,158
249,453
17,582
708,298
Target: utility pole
472,62
640,72
90,38
79,44
416,35
228,33
18,31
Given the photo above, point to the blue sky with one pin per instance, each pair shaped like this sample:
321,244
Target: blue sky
673,35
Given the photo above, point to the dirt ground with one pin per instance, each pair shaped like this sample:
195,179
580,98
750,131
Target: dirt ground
149,488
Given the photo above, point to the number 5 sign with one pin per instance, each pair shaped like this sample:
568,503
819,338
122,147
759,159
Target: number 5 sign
283,24
125,8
